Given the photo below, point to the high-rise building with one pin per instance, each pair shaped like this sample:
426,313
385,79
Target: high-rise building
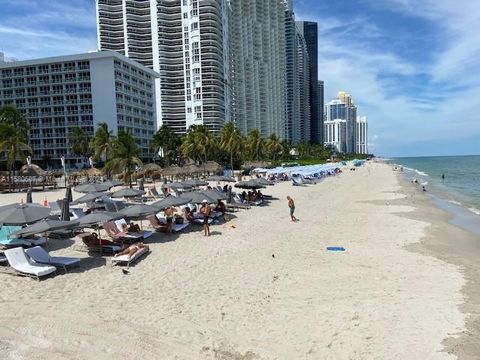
297,82
309,31
343,108
257,39
186,42
361,135
59,93
321,107
336,135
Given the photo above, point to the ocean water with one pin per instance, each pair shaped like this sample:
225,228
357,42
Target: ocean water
461,185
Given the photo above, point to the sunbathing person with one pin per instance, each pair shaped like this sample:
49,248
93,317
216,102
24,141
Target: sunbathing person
93,240
132,249
221,208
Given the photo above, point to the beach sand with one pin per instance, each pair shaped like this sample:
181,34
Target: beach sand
262,287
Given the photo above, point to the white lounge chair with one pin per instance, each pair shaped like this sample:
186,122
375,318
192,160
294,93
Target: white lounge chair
19,261
144,234
125,259
40,256
175,227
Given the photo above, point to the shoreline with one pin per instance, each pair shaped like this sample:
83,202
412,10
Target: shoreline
387,296
457,245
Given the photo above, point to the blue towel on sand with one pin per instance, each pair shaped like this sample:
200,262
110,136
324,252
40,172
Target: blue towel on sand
335,248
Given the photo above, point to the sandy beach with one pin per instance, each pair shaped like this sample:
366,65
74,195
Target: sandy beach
262,287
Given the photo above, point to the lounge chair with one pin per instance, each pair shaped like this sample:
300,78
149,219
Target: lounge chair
3,260
110,206
93,243
156,224
40,256
8,242
125,259
134,235
152,193
19,261
176,227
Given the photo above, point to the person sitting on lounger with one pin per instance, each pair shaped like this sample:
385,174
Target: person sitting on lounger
129,228
132,249
189,216
169,214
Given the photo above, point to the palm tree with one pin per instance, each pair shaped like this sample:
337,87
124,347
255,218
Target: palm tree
231,140
166,140
13,137
124,156
274,146
198,143
255,144
101,143
79,142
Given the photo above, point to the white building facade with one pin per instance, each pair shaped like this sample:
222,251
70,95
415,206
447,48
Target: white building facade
59,93
361,135
186,42
335,135
343,108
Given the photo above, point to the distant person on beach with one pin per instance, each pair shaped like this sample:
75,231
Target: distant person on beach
132,249
291,205
206,211
443,176
169,214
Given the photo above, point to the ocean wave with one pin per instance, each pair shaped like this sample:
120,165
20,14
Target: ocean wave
418,172
474,210
455,202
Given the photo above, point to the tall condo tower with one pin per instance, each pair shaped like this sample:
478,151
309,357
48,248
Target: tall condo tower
186,42
297,82
342,108
257,39
309,31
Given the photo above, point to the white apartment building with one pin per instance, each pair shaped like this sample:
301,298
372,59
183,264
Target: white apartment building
361,135
257,37
186,42
59,93
343,108
335,135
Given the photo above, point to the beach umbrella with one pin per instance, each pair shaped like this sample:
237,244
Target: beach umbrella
127,192
22,214
250,184
32,170
263,181
197,197
195,182
88,198
176,186
89,188
138,211
215,178
170,201
64,210
214,194
44,226
68,193
112,183
29,196
97,218
228,179
141,185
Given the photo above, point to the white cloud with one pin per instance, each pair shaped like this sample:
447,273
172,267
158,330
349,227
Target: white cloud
403,119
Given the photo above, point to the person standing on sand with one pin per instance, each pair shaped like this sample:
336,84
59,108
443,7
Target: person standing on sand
291,205
206,211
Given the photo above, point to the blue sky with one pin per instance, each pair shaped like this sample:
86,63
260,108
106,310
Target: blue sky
412,66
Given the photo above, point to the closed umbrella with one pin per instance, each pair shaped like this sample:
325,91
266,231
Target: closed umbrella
22,214
89,188
65,210
68,193
112,183
228,179
141,185
170,201
197,197
88,198
29,196
44,226
128,193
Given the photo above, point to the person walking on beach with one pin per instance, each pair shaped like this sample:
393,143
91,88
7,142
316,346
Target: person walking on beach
291,205
206,211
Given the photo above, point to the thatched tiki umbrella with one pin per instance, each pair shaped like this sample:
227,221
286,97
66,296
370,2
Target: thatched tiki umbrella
172,171
212,166
32,170
149,169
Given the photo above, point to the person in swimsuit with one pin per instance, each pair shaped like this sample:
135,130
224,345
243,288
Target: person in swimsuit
291,205
206,211
132,249
169,213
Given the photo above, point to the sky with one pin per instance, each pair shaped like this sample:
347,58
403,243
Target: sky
412,66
